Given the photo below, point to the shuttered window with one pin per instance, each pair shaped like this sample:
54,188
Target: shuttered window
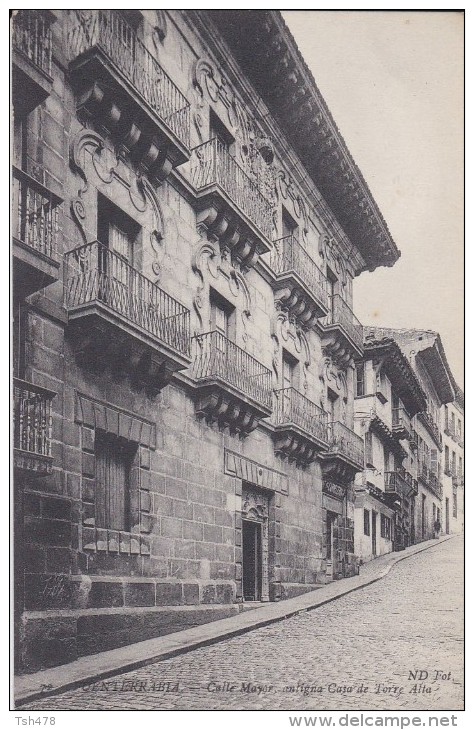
113,462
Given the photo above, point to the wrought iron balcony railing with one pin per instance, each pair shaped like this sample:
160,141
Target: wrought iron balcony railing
95,274
347,443
401,421
217,357
32,36
341,314
212,164
32,422
399,482
289,256
431,426
435,485
293,408
108,31
35,214
423,471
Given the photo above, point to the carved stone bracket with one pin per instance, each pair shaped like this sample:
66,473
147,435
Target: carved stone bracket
123,357
336,470
217,405
337,350
295,447
133,137
298,305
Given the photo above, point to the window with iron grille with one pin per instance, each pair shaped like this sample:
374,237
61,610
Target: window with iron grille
367,522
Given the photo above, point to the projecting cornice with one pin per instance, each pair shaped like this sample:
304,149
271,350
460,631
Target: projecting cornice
398,369
269,55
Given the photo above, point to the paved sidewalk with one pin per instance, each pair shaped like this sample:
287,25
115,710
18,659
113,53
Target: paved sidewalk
106,664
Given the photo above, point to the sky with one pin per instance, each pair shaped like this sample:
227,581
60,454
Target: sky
394,84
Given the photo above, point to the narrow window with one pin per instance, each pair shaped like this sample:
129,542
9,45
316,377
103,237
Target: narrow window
367,522
360,379
112,476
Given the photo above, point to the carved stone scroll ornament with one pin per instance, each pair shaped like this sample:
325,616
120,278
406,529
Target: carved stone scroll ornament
209,259
331,255
285,330
286,192
254,150
106,164
334,376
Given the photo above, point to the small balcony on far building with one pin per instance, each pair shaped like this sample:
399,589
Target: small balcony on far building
121,319
299,284
345,454
35,228
121,85
230,204
401,424
342,333
32,81
399,484
301,429
32,428
233,389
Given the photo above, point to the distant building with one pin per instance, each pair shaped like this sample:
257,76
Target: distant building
453,464
425,353
387,397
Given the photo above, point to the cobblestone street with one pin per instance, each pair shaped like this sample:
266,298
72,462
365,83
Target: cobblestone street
355,653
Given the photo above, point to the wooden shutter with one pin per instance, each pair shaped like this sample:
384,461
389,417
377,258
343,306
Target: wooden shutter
112,483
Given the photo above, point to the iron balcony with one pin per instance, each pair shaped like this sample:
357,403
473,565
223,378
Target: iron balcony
230,204
301,429
399,483
299,283
35,228
401,423
342,325
32,53
345,454
117,77
233,388
118,314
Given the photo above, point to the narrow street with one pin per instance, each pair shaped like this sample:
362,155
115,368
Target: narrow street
355,653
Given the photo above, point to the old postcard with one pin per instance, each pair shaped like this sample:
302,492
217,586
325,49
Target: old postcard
237,365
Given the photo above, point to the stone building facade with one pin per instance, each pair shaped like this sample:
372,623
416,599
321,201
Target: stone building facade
387,397
452,420
187,225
